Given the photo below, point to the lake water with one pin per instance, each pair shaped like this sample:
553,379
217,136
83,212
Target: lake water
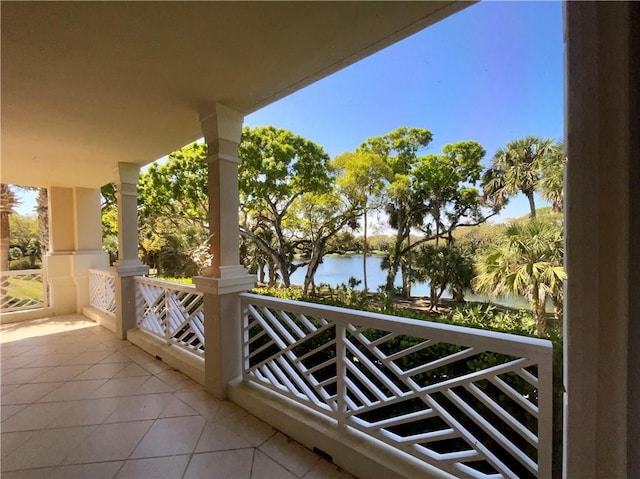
337,269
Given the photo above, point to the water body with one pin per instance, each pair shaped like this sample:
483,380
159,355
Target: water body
337,269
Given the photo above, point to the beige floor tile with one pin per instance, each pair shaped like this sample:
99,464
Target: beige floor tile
5,388
217,437
290,454
116,357
176,408
60,373
12,440
23,360
138,408
154,366
229,414
87,412
42,473
153,386
52,359
45,448
23,375
100,470
202,402
266,468
28,393
253,430
221,465
9,410
90,357
169,467
109,442
35,416
120,387
101,371
170,437
74,390
132,370
326,470
172,377
10,350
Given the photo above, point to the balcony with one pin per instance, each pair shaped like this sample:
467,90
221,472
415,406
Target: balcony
78,402
372,392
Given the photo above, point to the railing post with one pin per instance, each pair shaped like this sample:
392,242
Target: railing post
341,373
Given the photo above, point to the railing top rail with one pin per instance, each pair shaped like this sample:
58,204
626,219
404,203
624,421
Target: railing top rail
101,271
18,272
189,288
534,348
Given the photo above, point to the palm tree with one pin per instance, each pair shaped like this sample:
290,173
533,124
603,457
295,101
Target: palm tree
517,168
526,261
8,202
552,181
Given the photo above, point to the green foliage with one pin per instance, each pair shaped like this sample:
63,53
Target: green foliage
281,177
526,261
444,267
282,293
521,167
176,280
22,263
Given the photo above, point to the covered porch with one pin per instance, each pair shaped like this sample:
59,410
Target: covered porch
79,402
75,118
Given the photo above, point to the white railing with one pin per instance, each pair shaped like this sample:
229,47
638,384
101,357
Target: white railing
22,290
471,402
171,311
102,291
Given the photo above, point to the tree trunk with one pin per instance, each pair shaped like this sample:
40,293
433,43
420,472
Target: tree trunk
365,249
4,240
532,204
537,302
312,267
272,273
42,211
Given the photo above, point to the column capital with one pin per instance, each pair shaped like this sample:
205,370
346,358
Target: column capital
126,173
222,123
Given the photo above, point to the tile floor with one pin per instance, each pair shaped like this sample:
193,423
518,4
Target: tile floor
79,403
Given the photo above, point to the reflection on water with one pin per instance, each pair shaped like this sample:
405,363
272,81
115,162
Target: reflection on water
337,269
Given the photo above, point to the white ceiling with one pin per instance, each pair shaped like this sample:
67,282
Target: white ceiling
88,84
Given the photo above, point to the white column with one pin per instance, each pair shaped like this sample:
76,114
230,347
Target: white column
128,264
602,327
88,241
226,278
75,246
62,286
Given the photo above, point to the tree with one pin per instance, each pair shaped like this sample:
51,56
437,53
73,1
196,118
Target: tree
25,237
173,211
362,176
518,168
399,150
552,181
319,218
8,203
526,261
277,168
446,266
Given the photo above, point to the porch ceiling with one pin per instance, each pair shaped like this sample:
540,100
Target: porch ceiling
88,84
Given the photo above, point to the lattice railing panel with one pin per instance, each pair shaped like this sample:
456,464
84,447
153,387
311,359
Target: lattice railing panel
173,312
471,402
102,291
22,290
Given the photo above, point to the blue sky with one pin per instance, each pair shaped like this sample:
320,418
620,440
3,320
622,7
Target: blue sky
491,73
